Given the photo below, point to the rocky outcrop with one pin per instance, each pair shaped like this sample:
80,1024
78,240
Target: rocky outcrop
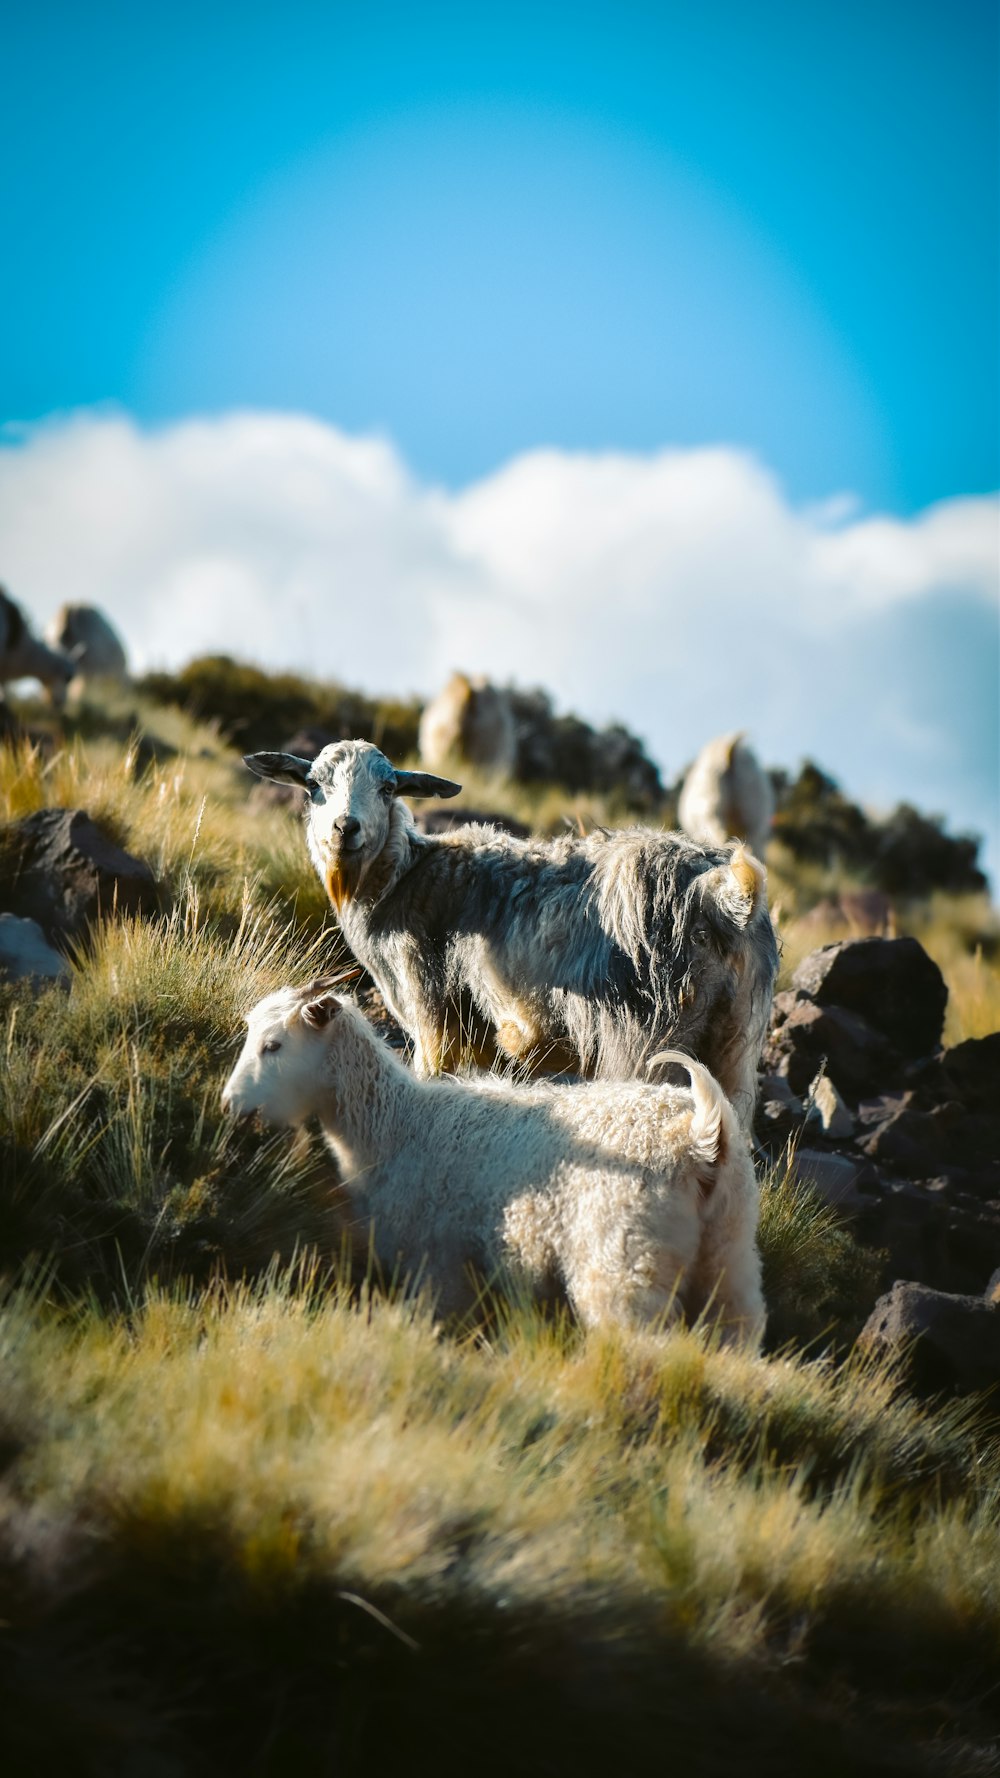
944,1342
890,982
854,1076
59,868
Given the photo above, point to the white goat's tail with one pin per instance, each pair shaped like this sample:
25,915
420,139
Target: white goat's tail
714,1126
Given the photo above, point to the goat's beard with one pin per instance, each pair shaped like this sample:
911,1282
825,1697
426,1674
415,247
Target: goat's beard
343,877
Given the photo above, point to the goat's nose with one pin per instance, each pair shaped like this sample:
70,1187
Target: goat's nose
348,827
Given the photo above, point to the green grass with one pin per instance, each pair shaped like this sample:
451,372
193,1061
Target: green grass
259,1514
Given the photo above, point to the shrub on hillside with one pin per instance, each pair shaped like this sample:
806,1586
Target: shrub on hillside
905,854
567,751
258,710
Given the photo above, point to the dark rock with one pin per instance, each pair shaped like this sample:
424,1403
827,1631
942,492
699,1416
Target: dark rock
25,952
910,1141
875,1111
969,1073
775,1087
973,1140
947,1342
59,868
785,1003
779,1115
932,1231
891,982
897,1133
858,1058
833,1177
444,820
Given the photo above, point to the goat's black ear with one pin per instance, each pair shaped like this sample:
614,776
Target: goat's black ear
424,784
281,768
318,1013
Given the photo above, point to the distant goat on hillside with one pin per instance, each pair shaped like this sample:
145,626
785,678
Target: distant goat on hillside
632,1201
583,952
90,639
727,795
470,721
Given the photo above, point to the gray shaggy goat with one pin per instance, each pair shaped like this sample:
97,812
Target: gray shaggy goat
585,953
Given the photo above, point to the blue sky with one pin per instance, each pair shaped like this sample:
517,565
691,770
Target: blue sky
481,229
379,340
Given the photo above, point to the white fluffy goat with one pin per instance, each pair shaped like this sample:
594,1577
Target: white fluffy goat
727,795
469,720
633,1201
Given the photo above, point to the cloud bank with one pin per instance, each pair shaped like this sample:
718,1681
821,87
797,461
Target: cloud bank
679,592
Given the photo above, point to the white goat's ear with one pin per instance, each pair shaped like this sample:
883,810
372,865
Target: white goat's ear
317,1014
424,784
741,886
282,768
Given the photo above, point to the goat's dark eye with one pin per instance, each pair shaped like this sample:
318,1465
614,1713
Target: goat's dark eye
268,1049
386,792
700,936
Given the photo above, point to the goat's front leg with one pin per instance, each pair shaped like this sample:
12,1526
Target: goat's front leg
437,1041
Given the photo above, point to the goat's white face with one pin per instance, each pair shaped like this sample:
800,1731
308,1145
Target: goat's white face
352,788
280,1073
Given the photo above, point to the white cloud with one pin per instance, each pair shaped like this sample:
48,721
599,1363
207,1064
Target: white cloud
678,591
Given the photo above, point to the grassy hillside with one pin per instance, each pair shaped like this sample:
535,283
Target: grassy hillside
261,1514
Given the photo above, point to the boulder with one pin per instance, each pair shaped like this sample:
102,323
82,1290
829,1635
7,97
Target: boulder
25,952
779,1115
947,1342
890,982
969,1073
835,1178
905,1139
932,1231
775,1087
59,868
856,1056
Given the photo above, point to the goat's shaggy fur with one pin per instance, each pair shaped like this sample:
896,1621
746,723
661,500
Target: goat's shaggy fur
727,795
24,655
584,952
469,720
631,1201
